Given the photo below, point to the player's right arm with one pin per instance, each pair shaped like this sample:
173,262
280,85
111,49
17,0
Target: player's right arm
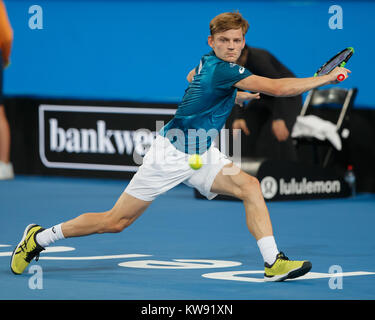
288,87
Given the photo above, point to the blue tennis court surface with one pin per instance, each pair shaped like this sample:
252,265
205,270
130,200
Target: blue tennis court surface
182,247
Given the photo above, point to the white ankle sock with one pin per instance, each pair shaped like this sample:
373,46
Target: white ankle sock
50,235
268,249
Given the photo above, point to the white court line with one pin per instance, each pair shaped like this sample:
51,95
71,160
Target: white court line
118,256
233,275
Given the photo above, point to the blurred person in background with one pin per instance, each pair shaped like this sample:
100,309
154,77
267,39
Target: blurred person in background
6,39
266,123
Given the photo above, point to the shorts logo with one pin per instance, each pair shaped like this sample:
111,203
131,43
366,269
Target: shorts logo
269,187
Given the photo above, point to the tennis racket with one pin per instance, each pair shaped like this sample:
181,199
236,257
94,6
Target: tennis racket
339,60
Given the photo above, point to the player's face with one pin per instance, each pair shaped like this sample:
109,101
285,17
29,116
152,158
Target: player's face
227,45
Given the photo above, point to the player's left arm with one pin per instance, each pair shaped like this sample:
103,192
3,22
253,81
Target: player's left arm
287,87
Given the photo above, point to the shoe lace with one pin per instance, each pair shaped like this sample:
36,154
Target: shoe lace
282,256
34,253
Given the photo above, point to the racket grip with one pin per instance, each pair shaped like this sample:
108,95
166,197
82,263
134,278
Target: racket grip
341,77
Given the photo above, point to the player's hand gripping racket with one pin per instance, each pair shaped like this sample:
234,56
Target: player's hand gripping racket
339,60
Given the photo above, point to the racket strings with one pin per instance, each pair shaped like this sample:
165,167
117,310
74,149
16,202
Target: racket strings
339,60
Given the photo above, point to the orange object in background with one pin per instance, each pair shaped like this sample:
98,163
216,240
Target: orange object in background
6,34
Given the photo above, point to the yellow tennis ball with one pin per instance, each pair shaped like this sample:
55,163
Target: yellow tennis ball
195,161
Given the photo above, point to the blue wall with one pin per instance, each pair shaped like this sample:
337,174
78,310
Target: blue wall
142,50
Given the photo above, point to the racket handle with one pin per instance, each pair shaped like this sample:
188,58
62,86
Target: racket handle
341,77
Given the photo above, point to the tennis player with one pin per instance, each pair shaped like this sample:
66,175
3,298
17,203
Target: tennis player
207,103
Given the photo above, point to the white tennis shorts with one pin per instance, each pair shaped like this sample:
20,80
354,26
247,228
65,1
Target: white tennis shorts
164,167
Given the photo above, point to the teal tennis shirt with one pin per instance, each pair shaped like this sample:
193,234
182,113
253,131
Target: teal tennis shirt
205,106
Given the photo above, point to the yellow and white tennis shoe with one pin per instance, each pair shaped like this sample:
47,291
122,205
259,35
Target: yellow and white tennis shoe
283,269
26,250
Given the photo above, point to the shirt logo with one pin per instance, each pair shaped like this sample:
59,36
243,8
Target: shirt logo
241,70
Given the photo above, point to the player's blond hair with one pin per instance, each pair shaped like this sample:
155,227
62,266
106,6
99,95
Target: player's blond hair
227,21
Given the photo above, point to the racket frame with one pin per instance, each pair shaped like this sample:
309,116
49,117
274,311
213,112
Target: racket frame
340,64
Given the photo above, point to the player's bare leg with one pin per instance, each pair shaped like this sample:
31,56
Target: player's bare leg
126,210
245,187
234,182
